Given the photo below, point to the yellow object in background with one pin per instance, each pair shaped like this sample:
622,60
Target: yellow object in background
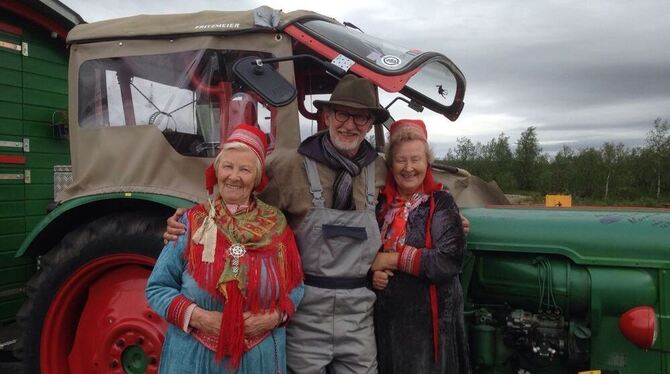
590,371
558,201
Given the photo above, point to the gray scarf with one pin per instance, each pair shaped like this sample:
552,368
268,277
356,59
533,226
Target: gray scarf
320,148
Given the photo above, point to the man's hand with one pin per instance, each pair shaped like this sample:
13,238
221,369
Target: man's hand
380,279
464,221
258,324
206,320
174,227
385,261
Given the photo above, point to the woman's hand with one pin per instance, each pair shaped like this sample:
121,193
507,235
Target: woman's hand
206,320
174,227
380,279
466,225
258,324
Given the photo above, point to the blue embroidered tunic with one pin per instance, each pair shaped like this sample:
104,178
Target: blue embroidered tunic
182,353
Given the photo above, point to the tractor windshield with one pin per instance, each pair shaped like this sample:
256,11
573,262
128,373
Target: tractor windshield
191,97
429,78
375,51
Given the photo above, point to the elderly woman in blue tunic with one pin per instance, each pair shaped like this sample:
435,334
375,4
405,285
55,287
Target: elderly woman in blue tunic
229,284
419,324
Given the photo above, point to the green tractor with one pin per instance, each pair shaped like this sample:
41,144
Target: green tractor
151,98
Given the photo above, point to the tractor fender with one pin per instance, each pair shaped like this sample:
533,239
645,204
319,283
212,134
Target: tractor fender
72,213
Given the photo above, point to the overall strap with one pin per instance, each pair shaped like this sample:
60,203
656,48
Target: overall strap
314,183
370,186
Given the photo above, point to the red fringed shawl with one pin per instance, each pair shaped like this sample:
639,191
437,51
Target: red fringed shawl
269,244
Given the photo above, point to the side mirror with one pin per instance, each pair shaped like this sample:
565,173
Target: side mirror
264,80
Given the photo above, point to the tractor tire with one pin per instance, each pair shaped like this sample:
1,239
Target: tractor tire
86,307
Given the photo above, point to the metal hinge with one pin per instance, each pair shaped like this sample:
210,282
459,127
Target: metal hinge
25,144
24,49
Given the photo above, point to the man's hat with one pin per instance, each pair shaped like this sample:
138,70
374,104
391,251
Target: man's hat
354,92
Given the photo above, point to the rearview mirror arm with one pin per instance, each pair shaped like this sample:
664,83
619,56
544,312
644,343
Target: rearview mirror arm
330,68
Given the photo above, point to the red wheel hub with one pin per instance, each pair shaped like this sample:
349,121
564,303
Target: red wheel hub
100,322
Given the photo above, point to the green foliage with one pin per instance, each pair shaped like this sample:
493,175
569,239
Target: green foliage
526,159
609,175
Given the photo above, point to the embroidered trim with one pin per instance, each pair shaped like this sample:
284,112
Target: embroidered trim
176,311
210,341
409,260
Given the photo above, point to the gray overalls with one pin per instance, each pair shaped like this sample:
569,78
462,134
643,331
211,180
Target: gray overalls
333,329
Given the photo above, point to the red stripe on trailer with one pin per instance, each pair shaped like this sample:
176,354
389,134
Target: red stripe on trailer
11,29
12,159
34,16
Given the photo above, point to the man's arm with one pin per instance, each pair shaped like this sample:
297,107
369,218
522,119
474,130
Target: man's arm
174,227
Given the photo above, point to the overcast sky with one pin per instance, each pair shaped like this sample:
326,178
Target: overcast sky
583,72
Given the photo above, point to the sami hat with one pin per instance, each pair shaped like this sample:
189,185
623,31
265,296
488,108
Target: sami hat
408,125
257,142
354,92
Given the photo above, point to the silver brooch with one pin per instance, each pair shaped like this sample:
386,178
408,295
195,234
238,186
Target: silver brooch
236,250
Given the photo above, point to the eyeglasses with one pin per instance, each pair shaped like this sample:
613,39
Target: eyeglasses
359,119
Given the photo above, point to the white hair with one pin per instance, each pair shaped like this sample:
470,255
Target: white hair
238,146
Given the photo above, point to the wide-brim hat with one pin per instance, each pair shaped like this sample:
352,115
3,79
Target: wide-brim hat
354,92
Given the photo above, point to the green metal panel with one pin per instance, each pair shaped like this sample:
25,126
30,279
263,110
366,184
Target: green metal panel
12,242
10,94
611,351
504,278
11,226
12,209
598,237
36,160
36,207
45,68
10,60
39,191
39,113
40,82
37,130
47,145
11,193
11,127
32,88
10,77
43,50
44,99
10,110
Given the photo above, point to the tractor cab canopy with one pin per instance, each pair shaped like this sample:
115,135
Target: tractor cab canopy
152,96
428,78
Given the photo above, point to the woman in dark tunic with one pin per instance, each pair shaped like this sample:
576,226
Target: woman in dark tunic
418,315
